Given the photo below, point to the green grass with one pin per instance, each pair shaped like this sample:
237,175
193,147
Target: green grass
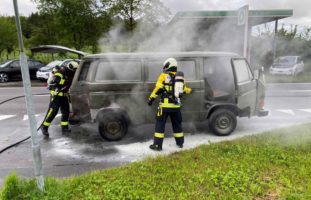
273,165
302,78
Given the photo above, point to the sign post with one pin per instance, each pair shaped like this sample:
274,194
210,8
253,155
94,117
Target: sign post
36,152
243,20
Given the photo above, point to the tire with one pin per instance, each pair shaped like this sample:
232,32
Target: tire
4,77
112,126
222,122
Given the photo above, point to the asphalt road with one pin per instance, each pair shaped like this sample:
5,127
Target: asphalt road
83,150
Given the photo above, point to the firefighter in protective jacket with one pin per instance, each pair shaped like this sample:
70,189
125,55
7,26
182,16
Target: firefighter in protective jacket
170,86
59,87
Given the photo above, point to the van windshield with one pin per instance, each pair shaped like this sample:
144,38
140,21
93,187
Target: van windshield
288,60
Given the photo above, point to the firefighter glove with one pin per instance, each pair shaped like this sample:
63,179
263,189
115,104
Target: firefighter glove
150,101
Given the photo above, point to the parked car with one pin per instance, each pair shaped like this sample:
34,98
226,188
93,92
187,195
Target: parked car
287,65
112,89
43,72
11,69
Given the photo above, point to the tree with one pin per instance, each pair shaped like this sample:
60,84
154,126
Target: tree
8,34
43,29
133,10
134,22
291,40
79,23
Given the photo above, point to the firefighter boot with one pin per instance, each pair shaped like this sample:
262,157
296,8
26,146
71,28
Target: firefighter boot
44,130
155,147
66,130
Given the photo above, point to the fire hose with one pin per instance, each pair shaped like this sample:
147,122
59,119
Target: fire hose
20,141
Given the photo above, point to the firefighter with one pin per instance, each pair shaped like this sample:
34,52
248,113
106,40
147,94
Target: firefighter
59,86
169,104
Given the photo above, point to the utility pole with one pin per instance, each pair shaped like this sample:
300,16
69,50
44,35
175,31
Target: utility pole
29,104
275,38
242,17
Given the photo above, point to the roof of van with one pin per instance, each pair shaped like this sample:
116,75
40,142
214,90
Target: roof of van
163,54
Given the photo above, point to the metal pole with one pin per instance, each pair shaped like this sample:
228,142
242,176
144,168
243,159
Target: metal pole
249,48
275,38
29,104
246,35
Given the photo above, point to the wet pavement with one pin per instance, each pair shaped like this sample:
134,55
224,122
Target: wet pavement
84,150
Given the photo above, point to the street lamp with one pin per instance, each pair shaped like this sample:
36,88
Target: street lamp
35,143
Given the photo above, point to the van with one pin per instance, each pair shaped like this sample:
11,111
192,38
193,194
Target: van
113,89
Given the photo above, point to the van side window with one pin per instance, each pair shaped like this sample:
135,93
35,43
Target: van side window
186,66
118,71
218,76
84,70
242,70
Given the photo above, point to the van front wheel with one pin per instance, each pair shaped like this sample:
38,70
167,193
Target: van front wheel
222,122
112,126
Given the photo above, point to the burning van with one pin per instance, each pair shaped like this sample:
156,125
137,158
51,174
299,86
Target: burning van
113,89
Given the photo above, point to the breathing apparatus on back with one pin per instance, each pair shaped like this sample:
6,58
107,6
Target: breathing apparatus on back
179,84
51,77
177,78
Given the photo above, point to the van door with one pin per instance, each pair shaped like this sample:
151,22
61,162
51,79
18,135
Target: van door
117,83
245,87
191,103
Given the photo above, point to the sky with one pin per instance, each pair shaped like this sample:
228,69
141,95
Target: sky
302,11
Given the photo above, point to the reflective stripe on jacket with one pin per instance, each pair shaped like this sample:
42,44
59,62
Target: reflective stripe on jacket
164,87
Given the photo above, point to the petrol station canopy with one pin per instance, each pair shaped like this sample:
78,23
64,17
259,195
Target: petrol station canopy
256,17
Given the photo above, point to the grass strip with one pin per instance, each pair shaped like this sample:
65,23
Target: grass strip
272,165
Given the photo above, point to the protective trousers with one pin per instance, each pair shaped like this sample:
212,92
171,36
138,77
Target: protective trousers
57,102
176,120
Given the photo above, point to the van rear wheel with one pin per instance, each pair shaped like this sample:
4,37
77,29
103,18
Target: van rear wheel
222,122
112,126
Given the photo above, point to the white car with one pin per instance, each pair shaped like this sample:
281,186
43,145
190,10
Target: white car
287,65
43,72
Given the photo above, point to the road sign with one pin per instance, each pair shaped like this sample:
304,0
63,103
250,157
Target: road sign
242,15
243,20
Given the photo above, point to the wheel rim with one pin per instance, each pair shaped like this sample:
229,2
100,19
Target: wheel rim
223,122
3,77
113,127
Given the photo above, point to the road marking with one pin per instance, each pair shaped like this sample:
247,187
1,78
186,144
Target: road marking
37,115
26,116
299,90
306,110
287,111
3,117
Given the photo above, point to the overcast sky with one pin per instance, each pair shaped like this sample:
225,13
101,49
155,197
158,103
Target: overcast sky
302,8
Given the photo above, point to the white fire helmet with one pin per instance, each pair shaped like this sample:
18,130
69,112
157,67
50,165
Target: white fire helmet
169,64
73,65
